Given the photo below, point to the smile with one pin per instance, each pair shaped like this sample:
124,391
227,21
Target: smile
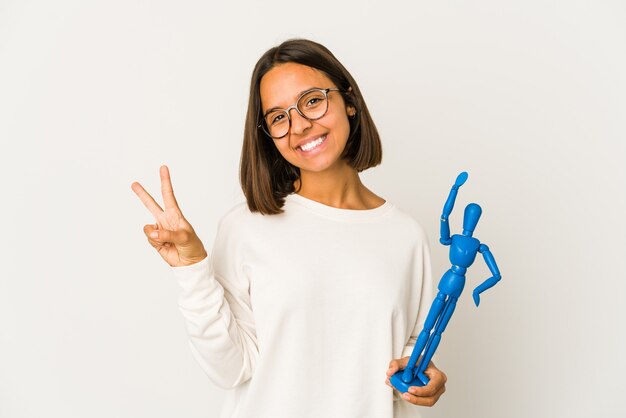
309,146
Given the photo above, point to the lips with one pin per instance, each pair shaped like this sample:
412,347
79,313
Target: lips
311,143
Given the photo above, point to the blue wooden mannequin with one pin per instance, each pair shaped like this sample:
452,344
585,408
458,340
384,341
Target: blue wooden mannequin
463,250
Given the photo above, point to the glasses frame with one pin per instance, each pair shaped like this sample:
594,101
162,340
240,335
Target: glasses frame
263,123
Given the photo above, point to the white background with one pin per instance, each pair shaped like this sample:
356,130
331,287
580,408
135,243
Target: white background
527,96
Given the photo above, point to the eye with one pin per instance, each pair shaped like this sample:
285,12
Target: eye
311,98
276,118
313,101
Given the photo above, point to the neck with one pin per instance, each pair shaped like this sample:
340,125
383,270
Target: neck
340,187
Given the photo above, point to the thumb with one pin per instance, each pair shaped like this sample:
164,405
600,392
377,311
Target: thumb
436,376
398,364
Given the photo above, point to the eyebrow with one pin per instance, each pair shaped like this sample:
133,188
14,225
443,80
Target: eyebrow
298,95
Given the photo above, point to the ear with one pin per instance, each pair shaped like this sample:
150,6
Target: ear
350,110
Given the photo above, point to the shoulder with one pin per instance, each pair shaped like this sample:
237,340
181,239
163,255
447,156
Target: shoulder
407,221
236,213
241,231
240,221
236,217
232,230
405,230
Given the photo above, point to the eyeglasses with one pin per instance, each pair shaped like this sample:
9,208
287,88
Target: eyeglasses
312,105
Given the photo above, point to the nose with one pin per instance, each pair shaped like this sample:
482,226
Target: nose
299,123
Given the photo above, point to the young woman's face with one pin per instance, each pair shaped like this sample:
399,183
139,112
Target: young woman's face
280,88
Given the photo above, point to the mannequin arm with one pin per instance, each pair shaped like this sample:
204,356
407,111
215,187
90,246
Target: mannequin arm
493,268
444,229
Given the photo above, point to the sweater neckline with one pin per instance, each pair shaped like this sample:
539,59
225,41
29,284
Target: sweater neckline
339,213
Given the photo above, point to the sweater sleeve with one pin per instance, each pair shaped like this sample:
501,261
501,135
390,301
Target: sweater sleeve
215,303
423,283
423,276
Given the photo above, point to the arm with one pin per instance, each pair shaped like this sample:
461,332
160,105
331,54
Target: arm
493,268
444,229
215,304
418,302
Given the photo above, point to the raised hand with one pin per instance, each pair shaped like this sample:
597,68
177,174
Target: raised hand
460,180
172,236
447,208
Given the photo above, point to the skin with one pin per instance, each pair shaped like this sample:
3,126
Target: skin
423,396
325,178
171,235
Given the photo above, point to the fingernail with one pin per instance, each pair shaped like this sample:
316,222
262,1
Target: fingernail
154,234
405,397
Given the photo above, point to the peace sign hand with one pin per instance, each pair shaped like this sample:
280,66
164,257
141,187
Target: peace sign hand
172,236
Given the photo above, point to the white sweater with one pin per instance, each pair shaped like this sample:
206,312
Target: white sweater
299,314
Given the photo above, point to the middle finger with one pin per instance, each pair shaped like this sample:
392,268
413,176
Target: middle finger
166,188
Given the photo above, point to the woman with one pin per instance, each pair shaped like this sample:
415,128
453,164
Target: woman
315,282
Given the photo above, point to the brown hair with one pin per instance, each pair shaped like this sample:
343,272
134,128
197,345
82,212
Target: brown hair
265,176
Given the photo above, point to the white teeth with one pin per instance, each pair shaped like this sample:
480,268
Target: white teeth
309,146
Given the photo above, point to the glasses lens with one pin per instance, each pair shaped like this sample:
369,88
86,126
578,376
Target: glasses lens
313,104
277,123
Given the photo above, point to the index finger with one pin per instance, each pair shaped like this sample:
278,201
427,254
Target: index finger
147,200
166,188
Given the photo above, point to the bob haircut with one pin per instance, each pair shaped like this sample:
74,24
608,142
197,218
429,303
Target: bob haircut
265,176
